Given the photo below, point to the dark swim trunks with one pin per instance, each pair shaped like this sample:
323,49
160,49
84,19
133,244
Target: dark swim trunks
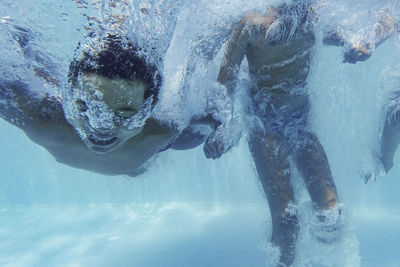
281,113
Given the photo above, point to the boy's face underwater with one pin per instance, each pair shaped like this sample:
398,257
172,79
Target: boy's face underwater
108,112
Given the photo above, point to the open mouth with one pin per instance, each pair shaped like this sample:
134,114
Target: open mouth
101,141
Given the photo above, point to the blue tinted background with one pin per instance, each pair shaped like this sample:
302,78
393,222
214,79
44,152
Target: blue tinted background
189,211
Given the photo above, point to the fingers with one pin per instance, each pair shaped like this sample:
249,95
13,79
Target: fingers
366,177
349,57
210,151
213,150
356,54
220,149
207,152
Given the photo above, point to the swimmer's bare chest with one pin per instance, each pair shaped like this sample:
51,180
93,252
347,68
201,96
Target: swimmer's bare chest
280,66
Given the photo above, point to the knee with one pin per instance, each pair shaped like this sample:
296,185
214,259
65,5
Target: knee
330,201
323,192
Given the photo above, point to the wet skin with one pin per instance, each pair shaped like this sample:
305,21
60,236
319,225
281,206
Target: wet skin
42,119
390,141
279,69
113,138
103,113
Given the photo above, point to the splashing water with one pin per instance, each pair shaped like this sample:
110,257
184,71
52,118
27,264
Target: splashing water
219,206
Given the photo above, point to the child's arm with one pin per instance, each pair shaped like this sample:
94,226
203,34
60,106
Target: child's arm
384,28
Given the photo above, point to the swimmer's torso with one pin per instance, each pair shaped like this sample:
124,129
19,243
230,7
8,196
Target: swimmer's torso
281,66
279,55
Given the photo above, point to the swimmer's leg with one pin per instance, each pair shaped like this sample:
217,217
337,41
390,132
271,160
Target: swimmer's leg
270,155
313,164
390,137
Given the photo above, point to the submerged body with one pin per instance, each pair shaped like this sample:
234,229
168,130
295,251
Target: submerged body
43,121
109,131
278,47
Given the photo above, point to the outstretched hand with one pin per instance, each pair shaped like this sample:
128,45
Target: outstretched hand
373,169
214,147
358,53
224,137
373,175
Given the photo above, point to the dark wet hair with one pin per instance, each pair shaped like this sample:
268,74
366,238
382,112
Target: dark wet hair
118,58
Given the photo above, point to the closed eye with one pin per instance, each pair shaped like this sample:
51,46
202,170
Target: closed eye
125,112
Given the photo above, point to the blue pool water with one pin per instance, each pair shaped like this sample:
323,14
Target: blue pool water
187,210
